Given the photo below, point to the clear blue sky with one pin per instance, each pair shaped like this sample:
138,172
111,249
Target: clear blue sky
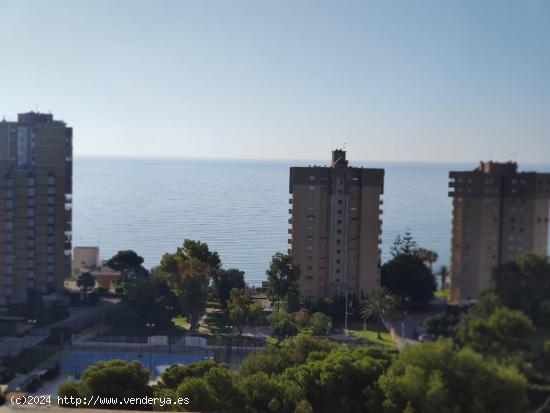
395,80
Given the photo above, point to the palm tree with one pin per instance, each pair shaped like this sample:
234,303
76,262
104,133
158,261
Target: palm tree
443,273
378,305
428,256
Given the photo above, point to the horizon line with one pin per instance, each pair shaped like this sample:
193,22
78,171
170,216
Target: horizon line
322,162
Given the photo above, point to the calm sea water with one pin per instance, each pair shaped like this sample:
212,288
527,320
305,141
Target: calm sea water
240,208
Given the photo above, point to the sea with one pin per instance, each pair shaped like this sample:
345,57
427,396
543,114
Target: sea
239,207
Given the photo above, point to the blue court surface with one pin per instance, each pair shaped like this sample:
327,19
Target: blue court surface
76,362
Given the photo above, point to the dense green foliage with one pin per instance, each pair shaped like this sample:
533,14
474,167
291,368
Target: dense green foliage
188,272
379,304
503,334
406,274
223,281
445,323
320,323
282,325
282,278
544,358
112,378
312,375
85,281
408,278
242,310
525,285
128,262
306,374
150,300
435,378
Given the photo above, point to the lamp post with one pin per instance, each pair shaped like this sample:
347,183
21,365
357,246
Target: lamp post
170,309
150,326
346,316
101,324
32,322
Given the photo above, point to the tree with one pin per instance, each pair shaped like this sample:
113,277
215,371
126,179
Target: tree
200,395
242,309
443,274
321,324
525,285
225,384
407,277
428,256
174,375
501,335
111,379
188,272
85,281
404,245
435,378
275,394
282,325
200,251
342,380
223,281
128,262
150,300
543,359
282,277
378,305
445,323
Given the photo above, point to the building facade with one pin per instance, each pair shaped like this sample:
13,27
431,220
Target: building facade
498,214
85,259
35,206
335,228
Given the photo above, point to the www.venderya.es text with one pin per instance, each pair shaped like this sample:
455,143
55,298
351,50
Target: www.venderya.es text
73,401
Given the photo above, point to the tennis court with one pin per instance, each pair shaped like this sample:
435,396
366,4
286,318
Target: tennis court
75,362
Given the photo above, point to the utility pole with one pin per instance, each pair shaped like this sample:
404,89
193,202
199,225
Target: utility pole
346,316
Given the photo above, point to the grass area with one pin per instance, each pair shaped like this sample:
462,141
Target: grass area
443,294
370,333
181,321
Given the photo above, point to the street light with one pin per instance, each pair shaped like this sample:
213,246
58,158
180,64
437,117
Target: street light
32,322
170,309
150,326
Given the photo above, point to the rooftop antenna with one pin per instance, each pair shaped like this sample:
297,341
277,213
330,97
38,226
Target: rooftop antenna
344,147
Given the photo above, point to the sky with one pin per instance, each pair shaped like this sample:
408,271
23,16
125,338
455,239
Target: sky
391,80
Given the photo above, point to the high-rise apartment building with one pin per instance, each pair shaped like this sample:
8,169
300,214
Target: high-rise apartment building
498,213
335,227
35,206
